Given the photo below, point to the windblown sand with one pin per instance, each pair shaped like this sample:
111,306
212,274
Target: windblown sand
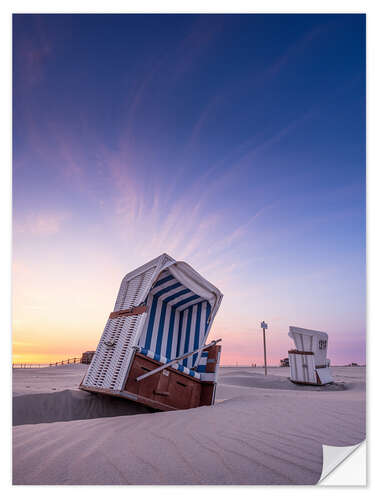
262,430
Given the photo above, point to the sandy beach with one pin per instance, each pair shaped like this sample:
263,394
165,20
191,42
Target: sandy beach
262,430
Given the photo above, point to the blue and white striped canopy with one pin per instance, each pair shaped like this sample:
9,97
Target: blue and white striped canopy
177,320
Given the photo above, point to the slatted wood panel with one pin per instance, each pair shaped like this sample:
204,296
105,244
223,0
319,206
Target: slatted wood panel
302,368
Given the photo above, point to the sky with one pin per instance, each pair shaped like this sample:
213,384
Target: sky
233,142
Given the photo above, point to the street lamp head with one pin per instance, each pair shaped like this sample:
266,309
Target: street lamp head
264,325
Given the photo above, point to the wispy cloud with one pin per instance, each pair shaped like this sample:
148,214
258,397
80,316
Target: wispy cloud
32,52
197,42
295,49
41,223
202,122
223,175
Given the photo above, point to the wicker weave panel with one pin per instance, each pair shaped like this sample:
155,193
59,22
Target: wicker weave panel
110,364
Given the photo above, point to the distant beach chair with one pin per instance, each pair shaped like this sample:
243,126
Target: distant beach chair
284,363
153,347
308,362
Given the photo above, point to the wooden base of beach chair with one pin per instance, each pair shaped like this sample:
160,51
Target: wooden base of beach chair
167,390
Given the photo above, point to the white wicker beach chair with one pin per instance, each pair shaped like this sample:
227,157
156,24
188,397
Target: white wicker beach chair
156,335
308,362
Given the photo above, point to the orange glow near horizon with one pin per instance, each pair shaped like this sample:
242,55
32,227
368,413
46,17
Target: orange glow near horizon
60,307
59,313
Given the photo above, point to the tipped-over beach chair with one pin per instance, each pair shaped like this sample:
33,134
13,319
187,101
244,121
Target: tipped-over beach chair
308,362
153,347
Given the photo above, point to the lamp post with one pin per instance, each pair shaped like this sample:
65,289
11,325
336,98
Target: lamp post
264,327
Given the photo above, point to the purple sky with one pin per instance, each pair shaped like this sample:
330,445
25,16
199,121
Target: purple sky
234,142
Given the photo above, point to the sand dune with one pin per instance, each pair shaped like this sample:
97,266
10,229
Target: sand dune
257,434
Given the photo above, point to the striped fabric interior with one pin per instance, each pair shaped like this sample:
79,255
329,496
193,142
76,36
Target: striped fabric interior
177,320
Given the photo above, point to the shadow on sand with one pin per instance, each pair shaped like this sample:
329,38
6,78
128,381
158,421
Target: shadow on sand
70,405
243,378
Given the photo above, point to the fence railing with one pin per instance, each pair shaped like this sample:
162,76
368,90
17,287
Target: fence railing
69,361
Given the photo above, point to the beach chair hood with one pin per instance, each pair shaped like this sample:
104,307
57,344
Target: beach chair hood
310,340
186,275
182,271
